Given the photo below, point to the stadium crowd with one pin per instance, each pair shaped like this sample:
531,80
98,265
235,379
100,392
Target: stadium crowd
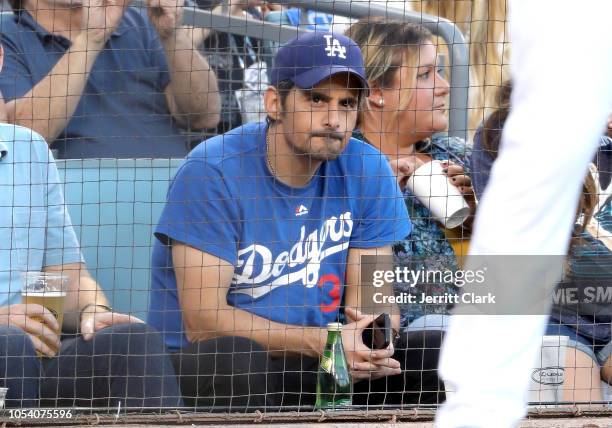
261,239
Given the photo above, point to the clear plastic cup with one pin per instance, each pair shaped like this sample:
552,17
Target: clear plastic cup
47,289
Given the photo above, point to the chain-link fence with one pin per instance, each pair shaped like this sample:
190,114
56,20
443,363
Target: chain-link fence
218,194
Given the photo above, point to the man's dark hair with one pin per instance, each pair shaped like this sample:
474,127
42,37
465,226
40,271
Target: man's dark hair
283,88
493,126
16,5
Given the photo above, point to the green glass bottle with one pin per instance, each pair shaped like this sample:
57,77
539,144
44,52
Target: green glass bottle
334,383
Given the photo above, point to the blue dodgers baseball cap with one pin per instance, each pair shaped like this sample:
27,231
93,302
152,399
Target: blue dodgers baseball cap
312,57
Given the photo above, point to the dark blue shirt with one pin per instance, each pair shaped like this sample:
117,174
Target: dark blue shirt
123,111
482,162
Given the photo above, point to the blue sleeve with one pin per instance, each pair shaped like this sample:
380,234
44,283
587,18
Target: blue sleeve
383,213
61,244
455,149
16,78
481,163
201,212
604,161
462,150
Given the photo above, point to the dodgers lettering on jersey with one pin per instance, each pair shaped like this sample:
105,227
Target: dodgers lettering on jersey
298,263
304,259
288,246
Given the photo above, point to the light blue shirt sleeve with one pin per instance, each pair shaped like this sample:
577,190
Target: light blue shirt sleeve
35,228
61,244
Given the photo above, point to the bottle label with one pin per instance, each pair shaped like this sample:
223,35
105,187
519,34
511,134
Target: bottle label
326,364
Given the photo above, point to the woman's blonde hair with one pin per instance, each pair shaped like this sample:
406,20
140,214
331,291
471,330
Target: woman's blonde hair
484,24
387,46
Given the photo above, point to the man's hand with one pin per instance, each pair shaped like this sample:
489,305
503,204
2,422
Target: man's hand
237,6
37,322
196,35
266,8
365,363
166,16
93,321
403,169
101,18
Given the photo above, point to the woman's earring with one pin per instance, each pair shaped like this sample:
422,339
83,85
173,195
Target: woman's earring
381,102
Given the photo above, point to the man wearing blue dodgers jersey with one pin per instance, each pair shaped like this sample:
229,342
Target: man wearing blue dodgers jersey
260,241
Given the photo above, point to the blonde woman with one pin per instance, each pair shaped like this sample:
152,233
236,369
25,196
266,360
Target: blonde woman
483,22
404,112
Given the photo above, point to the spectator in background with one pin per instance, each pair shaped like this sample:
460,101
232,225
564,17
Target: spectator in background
303,19
98,344
485,27
242,62
488,137
260,241
239,62
587,326
405,117
102,79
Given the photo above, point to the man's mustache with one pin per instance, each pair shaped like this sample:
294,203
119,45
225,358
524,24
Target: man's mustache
334,135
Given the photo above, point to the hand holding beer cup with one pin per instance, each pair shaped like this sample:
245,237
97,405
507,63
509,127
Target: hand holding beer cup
37,322
43,296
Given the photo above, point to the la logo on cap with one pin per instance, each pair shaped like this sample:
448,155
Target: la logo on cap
334,48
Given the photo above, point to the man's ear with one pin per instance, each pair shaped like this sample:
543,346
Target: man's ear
272,103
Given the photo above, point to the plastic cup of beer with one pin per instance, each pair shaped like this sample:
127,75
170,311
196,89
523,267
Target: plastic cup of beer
47,289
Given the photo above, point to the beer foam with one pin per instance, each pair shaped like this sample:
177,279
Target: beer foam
43,293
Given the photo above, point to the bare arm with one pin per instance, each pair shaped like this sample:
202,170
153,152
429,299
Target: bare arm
353,294
193,94
82,291
50,104
202,284
365,362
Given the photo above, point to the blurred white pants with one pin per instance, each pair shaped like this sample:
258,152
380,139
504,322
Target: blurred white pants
562,74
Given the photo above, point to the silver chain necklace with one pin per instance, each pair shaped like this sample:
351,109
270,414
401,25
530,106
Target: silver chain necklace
272,170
